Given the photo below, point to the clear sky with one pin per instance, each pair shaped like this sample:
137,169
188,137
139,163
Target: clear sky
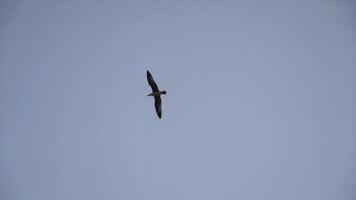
260,100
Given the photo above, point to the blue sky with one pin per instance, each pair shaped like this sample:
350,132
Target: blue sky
260,100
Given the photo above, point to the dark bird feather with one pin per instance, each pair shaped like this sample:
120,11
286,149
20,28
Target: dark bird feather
158,103
158,106
152,82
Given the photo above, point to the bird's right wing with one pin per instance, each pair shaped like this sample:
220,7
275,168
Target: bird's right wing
158,106
152,82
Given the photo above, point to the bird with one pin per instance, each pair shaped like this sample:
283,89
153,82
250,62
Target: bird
156,94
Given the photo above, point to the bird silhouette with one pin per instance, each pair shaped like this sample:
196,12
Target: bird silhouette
156,94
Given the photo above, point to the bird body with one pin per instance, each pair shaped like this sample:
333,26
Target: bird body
156,93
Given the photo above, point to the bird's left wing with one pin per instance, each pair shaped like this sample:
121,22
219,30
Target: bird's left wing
152,82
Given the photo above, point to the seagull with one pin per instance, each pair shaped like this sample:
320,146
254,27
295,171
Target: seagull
156,94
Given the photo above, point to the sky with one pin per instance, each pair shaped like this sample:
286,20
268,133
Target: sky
260,100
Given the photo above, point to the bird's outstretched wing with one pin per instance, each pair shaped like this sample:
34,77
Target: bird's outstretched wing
158,106
152,82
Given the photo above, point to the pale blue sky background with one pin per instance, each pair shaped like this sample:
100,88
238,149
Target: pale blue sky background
260,103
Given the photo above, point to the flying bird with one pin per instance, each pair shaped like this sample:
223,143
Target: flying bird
155,93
